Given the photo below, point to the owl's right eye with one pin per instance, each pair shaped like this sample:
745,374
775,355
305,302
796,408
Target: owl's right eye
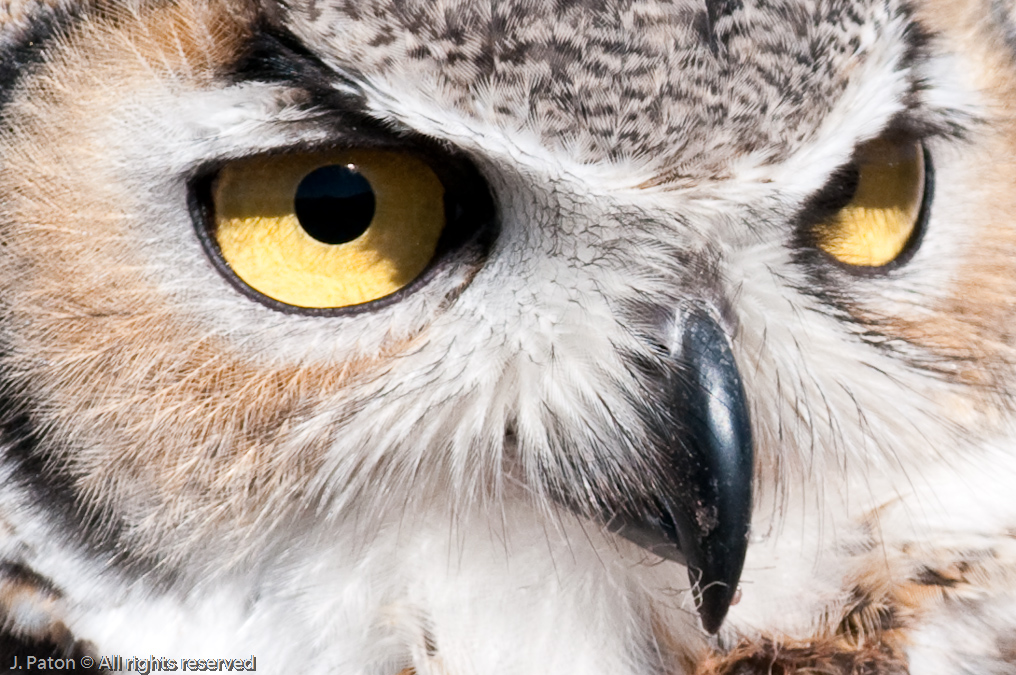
333,229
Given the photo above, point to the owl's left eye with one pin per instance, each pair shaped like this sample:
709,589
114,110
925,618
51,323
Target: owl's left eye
885,198
328,230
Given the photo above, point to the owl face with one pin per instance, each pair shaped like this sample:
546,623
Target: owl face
638,267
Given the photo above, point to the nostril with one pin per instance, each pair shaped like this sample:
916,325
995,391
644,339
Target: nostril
657,347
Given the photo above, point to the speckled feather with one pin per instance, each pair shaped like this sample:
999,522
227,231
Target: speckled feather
682,86
187,471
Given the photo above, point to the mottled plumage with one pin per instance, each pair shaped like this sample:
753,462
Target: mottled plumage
644,327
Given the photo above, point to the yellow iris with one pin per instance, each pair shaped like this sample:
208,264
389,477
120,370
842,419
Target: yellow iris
874,228
262,238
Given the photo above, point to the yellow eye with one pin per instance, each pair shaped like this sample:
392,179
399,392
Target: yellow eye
327,230
884,210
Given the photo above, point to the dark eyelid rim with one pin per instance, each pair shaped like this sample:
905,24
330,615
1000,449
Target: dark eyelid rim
837,191
462,243
818,262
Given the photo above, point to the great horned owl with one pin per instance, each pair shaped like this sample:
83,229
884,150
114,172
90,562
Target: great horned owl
533,337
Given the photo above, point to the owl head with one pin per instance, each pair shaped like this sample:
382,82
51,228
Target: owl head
273,274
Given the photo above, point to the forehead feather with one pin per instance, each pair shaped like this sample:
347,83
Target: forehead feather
696,82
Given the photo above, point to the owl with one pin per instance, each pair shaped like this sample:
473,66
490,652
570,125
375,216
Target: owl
462,337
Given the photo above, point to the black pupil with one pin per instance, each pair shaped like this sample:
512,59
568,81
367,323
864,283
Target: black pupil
334,204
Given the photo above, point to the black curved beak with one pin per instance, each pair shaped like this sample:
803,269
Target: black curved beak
702,516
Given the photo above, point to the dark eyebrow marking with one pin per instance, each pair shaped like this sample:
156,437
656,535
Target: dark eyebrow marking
275,55
23,44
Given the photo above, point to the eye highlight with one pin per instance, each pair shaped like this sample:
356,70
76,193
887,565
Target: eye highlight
330,229
887,203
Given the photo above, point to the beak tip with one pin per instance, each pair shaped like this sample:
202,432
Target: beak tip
697,510
713,604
